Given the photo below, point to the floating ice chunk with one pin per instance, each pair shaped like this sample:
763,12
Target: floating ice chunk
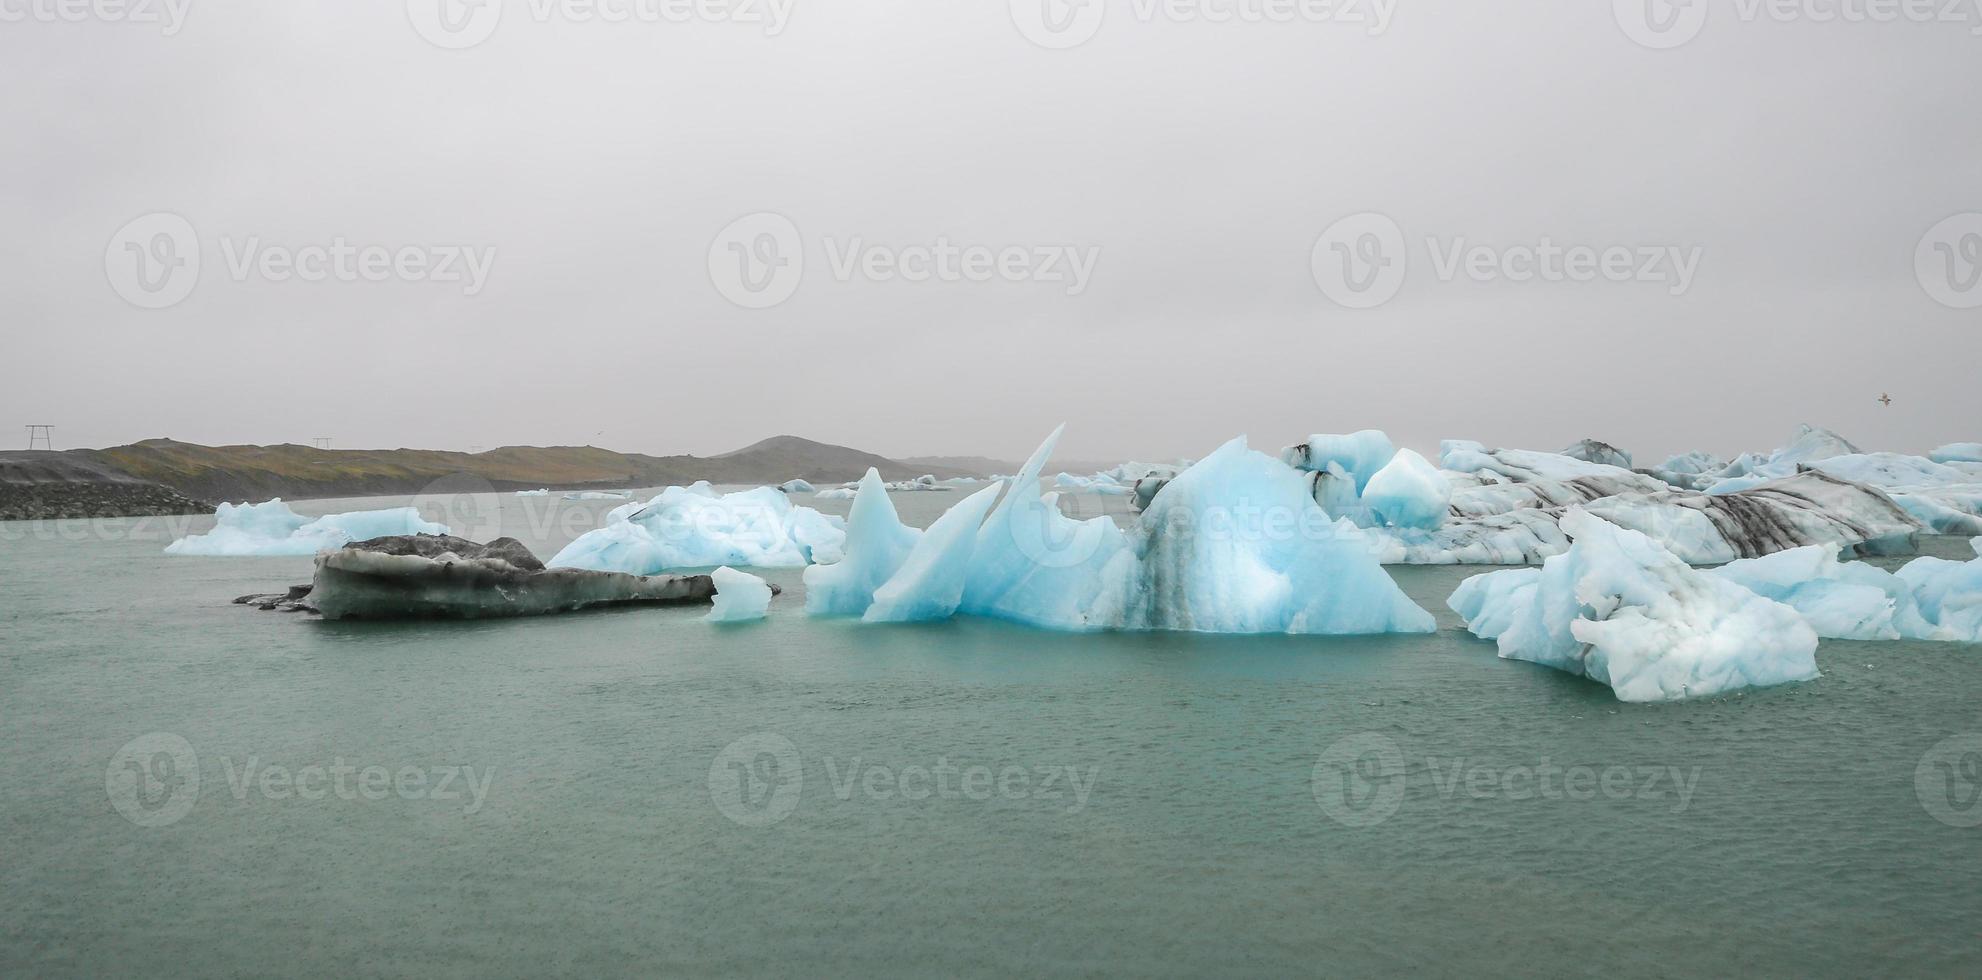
1948,595
438,577
1592,451
837,493
1690,471
1033,564
1236,544
1619,609
798,486
1100,483
1958,452
1490,603
929,585
740,597
693,527
1409,492
1451,449
533,493
1736,484
1840,600
1361,454
599,495
877,544
1945,510
1892,470
272,529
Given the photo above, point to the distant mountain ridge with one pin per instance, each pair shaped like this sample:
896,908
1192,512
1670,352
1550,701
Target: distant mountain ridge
303,472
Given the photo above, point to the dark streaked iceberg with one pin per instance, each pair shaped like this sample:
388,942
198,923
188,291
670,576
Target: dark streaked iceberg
440,577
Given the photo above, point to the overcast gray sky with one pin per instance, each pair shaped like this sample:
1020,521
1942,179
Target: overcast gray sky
1798,164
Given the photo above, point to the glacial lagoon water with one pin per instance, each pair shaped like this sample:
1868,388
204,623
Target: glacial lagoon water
194,788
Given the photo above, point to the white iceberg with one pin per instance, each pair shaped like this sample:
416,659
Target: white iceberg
1593,451
797,486
1360,454
533,493
929,584
836,493
1947,595
740,597
694,527
272,529
1840,600
877,544
1409,492
1958,452
1101,484
599,495
1621,610
1036,566
1236,544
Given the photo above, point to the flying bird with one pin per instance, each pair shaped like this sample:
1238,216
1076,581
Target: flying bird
1886,400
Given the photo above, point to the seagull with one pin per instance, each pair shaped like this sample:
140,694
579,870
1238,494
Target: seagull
1886,400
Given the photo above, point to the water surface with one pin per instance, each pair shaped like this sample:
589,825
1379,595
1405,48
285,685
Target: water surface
968,798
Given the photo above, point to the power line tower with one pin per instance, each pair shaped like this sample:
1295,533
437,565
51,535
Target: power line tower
321,442
41,434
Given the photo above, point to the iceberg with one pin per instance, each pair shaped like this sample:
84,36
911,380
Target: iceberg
797,486
695,527
1702,529
437,577
1408,492
1928,599
1688,471
837,493
1359,454
929,584
1840,600
1034,565
1623,611
599,495
1235,544
272,529
1100,483
1958,452
740,597
877,544
1592,451
533,493
1947,595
